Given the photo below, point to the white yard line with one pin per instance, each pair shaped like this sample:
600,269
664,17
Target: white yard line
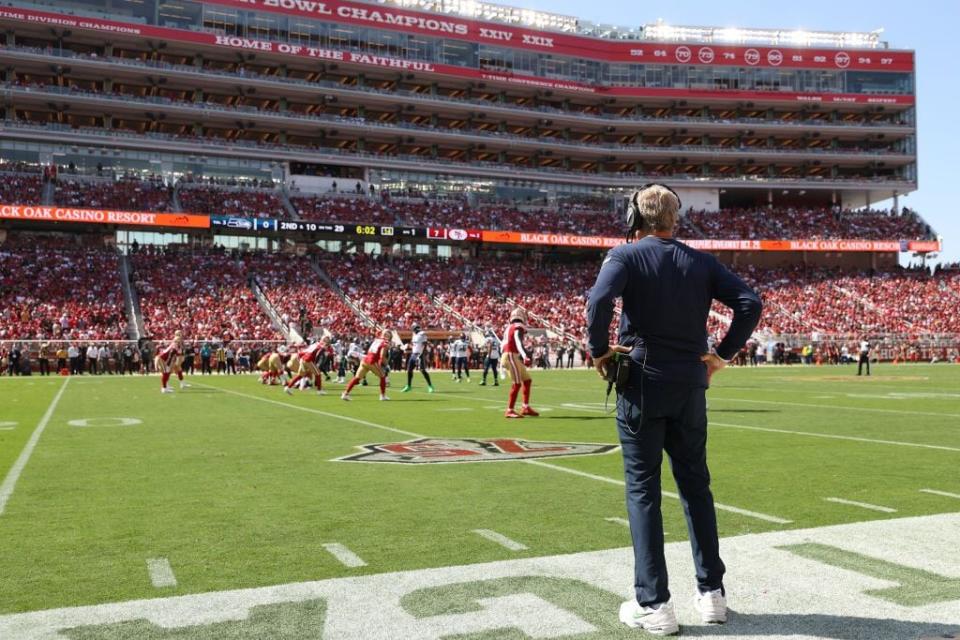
500,539
10,482
669,494
837,406
834,436
161,573
346,557
315,411
622,521
945,494
862,505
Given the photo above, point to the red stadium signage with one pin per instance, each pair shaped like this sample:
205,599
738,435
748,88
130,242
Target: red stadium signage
840,246
102,216
449,26
364,59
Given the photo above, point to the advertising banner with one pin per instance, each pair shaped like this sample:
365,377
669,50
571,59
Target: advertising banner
102,216
461,28
366,59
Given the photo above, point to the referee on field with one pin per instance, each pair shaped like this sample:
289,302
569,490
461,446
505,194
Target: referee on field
667,288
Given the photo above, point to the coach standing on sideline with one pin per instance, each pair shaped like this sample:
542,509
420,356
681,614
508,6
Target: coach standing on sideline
667,288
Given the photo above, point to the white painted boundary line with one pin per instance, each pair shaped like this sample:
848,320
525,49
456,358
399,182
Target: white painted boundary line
862,505
945,494
841,407
161,573
346,557
500,539
10,482
834,436
668,494
622,521
316,411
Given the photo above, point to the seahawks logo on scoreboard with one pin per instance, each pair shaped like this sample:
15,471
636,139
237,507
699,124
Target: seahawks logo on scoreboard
434,450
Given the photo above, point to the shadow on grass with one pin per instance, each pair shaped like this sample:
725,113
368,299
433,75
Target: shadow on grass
822,626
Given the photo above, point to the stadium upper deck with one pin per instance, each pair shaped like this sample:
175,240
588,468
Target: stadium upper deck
498,104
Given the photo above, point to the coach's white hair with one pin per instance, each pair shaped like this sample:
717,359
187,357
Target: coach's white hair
658,209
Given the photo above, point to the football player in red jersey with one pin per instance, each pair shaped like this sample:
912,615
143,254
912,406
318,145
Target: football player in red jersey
167,360
308,366
516,361
374,361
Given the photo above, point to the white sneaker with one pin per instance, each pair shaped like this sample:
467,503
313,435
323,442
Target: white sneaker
321,392
166,390
287,390
184,385
712,606
383,397
660,620
345,397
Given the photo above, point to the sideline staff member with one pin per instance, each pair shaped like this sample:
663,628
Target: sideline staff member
667,288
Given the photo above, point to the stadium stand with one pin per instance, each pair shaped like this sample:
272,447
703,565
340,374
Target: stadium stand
292,288
126,194
231,201
55,289
204,293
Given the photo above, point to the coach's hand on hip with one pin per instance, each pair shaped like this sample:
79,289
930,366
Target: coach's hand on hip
714,363
600,363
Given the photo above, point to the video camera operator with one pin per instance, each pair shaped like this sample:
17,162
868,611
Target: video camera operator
664,369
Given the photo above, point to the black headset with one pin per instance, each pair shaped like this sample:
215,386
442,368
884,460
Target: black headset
633,206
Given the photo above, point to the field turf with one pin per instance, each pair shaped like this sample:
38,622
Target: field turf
236,484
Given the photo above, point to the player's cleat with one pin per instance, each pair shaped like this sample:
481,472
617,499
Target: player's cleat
712,606
383,397
468,379
528,411
406,389
321,392
166,390
287,390
496,384
659,620
429,389
345,397
503,374
510,413
483,383
184,385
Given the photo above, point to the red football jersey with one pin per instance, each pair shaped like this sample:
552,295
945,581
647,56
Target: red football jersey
169,352
375,352
311,353
513,338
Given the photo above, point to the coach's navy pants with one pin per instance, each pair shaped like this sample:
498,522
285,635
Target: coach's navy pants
673,417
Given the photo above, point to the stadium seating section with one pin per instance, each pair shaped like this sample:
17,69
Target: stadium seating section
58,289
129,194
205,294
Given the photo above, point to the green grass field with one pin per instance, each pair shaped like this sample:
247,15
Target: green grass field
237,486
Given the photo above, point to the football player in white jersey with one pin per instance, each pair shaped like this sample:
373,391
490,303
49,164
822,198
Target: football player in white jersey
461,364
492,360
417,359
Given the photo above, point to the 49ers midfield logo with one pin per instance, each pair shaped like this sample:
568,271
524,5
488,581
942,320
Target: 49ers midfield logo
428,450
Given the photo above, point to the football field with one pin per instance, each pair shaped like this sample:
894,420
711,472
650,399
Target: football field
230,510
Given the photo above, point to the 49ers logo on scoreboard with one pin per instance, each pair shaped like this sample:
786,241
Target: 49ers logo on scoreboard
433,450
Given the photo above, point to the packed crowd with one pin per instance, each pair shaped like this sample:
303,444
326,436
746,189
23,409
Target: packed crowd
55,289
177,292
19,188
789,223
343,209
301,300
251,203
825,301
392,295
128,194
